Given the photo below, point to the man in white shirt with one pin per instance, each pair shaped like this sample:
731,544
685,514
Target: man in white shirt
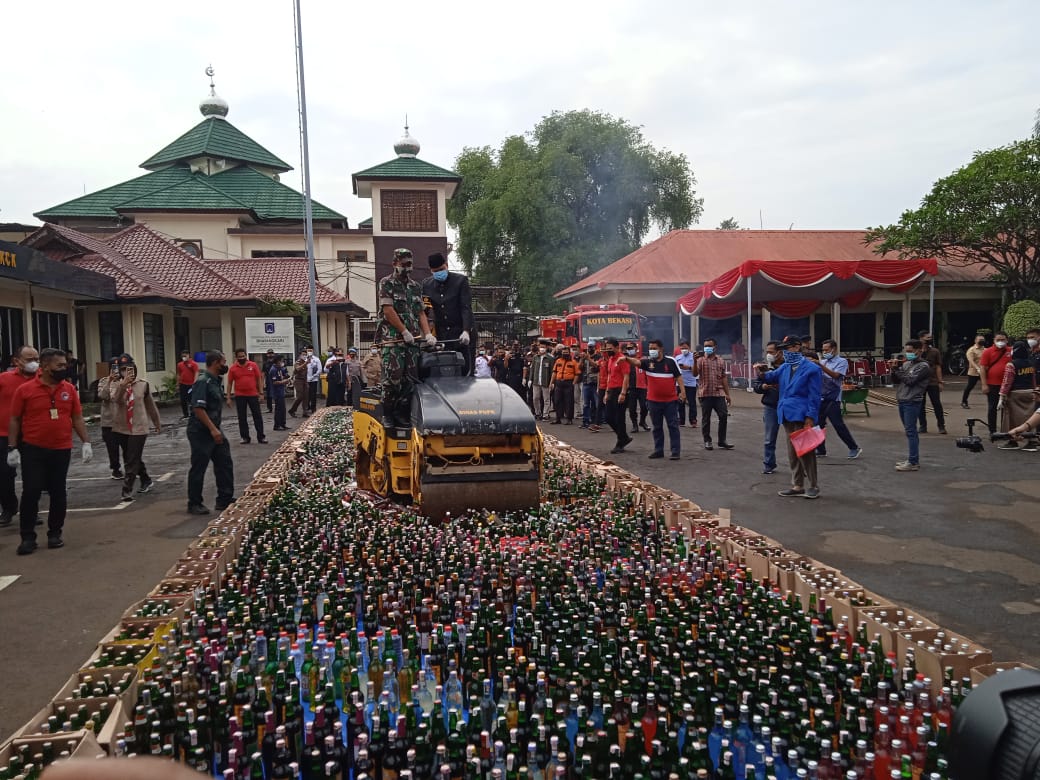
482,366
313,378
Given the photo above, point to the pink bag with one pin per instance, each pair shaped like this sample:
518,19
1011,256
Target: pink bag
805,440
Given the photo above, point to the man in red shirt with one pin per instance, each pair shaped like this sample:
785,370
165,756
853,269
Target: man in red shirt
245,385
617,392
27,363
44,412
991,374
187,373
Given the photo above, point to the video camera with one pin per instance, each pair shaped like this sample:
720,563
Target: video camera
973,442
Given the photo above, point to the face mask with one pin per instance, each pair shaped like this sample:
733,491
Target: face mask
223,370
60,374
309,353
709,350
541,350
565,355
685,351
827,355
440,276
630,352
184,358
1000,344
770,358
241,361
481,353
1031,342
31,367
404,269
373,352
654,354
910,355
794,358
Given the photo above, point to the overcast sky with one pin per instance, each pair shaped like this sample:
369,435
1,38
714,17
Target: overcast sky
821,114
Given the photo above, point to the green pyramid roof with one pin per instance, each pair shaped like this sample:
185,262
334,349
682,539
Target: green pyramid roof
176,188
405,169
215,137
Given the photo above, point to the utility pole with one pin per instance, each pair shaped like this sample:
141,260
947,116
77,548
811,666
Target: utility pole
308,219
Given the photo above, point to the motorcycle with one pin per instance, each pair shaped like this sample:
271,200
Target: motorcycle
956,363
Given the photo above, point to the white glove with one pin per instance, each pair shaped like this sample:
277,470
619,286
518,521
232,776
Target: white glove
408,337
431,340
464,338
1000,404
14,459
88,452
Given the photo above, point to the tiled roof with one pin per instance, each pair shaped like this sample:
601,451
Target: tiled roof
405,169
213,137
241,188
277,278
686,258
270,199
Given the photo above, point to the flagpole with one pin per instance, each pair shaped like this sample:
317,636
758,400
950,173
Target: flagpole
308,218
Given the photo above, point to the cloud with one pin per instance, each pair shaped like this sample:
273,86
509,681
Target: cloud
822,114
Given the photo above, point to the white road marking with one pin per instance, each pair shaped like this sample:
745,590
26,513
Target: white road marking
165,476
8,579
88,479
117,507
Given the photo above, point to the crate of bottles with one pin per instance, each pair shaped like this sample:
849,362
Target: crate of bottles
68,717
849,601
112,654
938,650
760,554
897,627
18,753
98,682
157,610
212,570
982,672
179,586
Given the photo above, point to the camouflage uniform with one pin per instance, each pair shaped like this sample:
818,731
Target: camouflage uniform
399,360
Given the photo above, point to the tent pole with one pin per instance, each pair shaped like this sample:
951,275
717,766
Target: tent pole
931,304
747,349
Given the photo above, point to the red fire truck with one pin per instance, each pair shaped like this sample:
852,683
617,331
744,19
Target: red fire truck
594,323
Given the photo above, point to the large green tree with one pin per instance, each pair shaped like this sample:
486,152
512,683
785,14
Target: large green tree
576,193
988,212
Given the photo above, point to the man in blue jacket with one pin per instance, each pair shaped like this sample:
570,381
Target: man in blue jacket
799,382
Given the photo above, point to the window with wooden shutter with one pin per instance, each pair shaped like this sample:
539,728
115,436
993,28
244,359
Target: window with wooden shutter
409,211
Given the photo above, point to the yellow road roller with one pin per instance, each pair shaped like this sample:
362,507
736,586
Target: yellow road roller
471,443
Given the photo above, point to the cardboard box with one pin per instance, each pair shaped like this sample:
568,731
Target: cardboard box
179,586
140,655
890,622
115,672
113,705
932,662
176,607
759,556
985,671
79,744
847,604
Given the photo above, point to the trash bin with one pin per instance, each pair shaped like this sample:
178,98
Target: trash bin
324,386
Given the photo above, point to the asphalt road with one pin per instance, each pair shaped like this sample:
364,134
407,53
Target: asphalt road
956,541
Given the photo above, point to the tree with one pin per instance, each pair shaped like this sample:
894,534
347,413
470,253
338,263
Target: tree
988,212
576,193
730,223
1020,317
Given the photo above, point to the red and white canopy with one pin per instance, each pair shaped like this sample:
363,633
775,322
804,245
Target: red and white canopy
797,288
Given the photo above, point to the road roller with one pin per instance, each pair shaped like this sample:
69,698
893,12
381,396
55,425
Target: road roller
471,443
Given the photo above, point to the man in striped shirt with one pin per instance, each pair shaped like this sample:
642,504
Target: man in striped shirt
664,392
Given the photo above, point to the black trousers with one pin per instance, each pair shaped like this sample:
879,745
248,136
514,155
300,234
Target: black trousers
8,496
251,403
312,394
932,395
133,463
691,403
972,381
112,447
185,394
337,395
563,399
203,452
353,396
992,397
636,401
616,417
278,399
43,469
717,404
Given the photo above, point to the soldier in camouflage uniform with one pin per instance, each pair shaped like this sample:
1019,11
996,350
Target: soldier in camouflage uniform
401,306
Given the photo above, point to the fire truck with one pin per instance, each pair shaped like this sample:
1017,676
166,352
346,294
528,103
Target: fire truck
594,323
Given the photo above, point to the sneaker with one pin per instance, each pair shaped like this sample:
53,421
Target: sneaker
635,429
707,445
583,427
6,518
292,414
628,440
769,471
942,431
126,498
812,492
791,493
245,441
27,547
725,446
1030,447
853,454
617,450
55,542
262,441
1008,445
594,429
644,426
674,456
117,474
655,455
220,506
820,454
965,406
906,465
197,509
922,430
554,422
568,422
146,487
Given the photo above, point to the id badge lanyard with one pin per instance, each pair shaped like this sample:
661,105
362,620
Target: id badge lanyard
54,404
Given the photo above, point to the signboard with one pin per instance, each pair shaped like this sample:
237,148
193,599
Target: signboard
264,333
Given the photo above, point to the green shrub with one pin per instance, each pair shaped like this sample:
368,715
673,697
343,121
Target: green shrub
1020,317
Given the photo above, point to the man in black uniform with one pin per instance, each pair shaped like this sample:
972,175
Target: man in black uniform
446,294
208,443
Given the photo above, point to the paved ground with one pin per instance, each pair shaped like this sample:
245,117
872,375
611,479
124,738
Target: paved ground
956,541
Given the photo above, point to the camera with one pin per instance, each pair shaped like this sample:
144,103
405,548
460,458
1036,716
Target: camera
973,442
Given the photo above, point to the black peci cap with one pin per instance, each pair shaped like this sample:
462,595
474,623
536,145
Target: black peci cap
437,260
